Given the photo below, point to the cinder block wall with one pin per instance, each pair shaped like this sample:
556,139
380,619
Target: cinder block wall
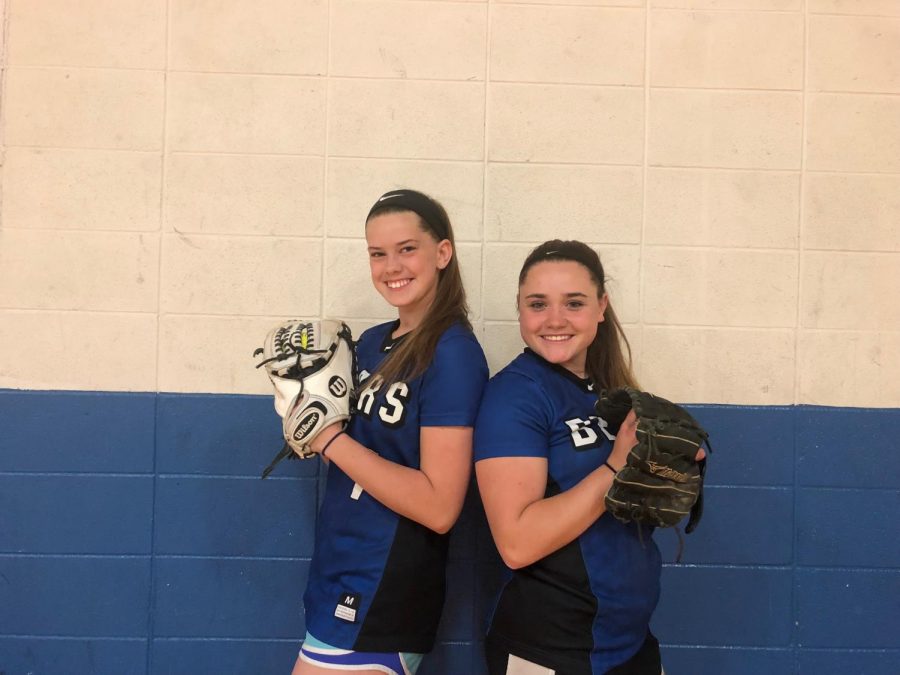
177,175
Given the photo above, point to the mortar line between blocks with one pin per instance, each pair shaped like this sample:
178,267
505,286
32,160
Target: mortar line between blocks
645,161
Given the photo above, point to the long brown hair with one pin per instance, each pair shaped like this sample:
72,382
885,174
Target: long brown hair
413,355
606,365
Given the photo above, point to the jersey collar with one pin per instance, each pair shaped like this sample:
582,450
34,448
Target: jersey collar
388,342
582,383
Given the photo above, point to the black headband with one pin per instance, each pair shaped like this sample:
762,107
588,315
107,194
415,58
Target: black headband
574,251
573,254
421,205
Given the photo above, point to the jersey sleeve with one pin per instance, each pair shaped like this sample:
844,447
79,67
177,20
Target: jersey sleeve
514,419
453,384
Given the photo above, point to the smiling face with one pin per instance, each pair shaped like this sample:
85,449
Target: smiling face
559,312
405,262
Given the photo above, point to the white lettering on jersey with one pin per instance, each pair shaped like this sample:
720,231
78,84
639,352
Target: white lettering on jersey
367,397
582,434
394,412
583,431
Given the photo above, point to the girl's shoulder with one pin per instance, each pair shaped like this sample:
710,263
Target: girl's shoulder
529,372
376,339
518,377
380,334
377,332
457,332
458,347
525,367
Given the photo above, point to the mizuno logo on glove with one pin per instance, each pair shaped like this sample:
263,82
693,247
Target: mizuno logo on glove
666,472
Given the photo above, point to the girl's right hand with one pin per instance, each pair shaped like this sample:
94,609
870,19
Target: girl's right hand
626,439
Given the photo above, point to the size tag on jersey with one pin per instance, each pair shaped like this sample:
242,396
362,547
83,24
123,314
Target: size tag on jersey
347,606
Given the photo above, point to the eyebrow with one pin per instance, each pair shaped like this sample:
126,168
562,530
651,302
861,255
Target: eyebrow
576,294
399,243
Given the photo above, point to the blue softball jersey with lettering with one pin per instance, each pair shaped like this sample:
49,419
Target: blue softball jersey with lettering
377,579
586,607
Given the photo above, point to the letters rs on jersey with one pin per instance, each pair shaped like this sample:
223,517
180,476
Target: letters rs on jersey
600,589
377,579
391,410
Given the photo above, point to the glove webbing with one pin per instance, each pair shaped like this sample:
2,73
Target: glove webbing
297,371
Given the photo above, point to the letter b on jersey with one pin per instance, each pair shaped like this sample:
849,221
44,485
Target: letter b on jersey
584,436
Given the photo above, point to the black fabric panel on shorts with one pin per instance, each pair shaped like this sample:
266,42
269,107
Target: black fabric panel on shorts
407,606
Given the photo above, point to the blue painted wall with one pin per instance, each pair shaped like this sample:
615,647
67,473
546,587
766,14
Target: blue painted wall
136,538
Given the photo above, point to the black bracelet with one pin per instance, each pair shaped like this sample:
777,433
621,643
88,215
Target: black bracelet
610,467
330,441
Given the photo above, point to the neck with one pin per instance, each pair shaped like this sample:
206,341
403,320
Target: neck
579,369
411,317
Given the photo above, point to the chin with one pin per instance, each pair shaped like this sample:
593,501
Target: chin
549,355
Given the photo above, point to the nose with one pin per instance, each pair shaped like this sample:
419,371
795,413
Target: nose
555,316
392,263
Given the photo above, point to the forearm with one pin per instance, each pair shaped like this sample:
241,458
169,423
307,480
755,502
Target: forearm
406,491
548,524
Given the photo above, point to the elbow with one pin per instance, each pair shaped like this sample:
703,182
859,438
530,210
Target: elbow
513,557
442,523
513,563
442,527
515,550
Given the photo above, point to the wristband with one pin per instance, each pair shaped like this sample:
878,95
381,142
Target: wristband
606,464
330,441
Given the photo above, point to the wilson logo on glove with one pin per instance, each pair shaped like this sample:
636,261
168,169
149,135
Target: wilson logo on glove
311,365
306,424
337,386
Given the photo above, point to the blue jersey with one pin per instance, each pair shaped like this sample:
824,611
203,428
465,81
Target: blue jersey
376,582
586,607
